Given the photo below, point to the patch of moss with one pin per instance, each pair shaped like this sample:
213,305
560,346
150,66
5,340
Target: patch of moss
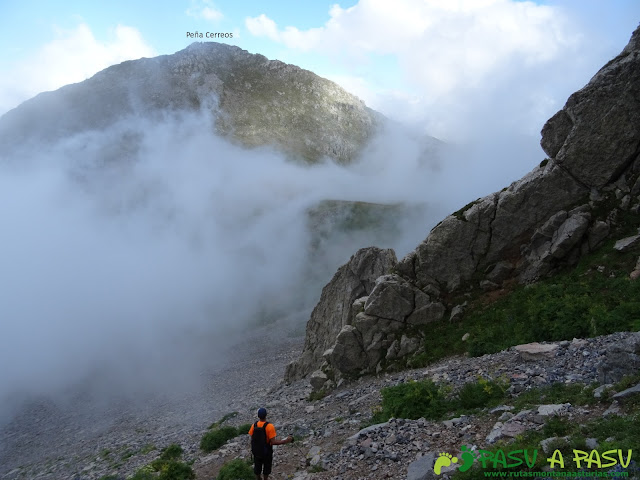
459,214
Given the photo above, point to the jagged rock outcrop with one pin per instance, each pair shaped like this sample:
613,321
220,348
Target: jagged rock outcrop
255,101
563,209
543,219
353,280
376,333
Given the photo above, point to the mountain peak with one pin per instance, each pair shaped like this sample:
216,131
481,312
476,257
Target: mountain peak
254,101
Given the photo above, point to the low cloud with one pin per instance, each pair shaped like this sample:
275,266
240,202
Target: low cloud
74,55
134,255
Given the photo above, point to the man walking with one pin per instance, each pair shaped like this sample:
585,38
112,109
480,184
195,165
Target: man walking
263,438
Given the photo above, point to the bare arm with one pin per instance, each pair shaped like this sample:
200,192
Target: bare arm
275,441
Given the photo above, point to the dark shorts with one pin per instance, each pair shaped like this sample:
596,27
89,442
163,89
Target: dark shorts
262,465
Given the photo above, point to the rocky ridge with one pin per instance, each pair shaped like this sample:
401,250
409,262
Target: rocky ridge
563,209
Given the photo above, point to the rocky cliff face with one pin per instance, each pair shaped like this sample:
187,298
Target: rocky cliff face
255,101
561,210
336,308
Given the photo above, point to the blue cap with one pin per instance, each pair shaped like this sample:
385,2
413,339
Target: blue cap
262,412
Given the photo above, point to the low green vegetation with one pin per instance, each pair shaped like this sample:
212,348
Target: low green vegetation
574,393
147,449
426,399
219,434
217,437
166,467
459,214
319,395
595,298
237,469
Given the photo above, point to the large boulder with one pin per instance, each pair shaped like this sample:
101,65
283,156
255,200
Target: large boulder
335,309
595,137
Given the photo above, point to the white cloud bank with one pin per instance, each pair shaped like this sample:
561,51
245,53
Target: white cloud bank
74,55
483,74
454,56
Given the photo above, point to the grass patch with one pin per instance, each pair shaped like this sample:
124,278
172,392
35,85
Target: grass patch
573,393
319,395
216,438
166,467
316,469
237,469
147,449
426,399
244,428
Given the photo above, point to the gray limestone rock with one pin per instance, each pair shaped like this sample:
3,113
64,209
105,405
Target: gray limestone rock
457,311
597,233
620,360
392,299
568,234
625,394
318,380
595,136
536,351
422,468
625,244
500,271
336,307
347,355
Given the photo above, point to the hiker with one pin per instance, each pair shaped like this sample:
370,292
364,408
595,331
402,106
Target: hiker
263,438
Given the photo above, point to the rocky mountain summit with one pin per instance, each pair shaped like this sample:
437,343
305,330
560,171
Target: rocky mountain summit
254,101
562,210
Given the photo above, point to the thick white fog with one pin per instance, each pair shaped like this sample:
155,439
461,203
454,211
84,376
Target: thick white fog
132,257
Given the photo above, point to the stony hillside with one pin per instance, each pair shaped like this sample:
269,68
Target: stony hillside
254,101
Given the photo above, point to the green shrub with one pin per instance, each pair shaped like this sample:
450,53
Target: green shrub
244,428
413,400
143,474
172,452
216,438
556,427
173,470
574,393
426,399
481,394
236,470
